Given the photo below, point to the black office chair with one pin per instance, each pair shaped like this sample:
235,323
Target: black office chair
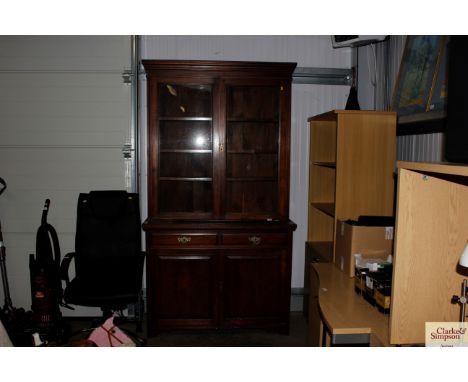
108,257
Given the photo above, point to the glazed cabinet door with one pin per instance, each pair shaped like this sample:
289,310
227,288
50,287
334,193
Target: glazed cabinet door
253,174
181,135
183,289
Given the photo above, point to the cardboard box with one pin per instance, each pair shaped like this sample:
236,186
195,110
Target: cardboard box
369,241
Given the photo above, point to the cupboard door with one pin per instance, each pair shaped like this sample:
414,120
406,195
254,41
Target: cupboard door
432,226
255,287
185,156
183,289
252,151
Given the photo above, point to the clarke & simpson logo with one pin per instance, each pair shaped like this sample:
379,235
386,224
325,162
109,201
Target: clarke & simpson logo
446,334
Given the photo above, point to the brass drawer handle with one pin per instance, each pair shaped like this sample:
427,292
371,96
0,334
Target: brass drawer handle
255,240
184,239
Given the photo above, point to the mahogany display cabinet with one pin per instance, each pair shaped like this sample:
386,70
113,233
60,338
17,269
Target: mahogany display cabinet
218,233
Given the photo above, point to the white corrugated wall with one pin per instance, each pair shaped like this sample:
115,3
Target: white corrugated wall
64,118
307,100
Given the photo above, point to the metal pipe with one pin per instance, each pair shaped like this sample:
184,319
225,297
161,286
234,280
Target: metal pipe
463,302
134,113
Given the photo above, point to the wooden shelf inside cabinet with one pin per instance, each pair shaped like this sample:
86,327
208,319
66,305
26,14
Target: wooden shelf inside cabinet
252,179
251,152
327,208
188,119
186,179
250,120
325,164
186,151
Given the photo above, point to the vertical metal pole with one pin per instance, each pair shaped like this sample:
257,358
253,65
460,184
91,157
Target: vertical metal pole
463,303
134,114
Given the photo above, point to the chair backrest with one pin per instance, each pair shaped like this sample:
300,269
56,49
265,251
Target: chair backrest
108,237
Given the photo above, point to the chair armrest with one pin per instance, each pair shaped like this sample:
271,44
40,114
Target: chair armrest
64,266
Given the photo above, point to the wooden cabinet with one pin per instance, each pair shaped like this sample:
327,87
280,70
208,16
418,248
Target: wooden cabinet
218,230
431,233
351,166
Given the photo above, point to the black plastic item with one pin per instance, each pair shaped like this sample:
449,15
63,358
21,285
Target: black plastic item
376,221
456,135
46,285
352,103
108,257
360,279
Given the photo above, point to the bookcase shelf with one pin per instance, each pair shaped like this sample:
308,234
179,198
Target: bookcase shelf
351,173
352,159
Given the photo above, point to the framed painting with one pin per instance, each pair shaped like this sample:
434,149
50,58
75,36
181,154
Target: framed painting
420,93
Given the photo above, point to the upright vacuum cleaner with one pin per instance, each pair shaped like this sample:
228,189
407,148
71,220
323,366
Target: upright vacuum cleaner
46,284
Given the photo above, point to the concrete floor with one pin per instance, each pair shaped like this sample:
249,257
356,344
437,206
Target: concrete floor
216,338
234,338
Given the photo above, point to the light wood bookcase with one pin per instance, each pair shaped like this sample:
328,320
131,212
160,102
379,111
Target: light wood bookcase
351,171
431,233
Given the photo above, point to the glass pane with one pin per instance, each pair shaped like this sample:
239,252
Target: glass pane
252,165
253,102
185,135
252,197
252,144
185,148
253,136
185,165
178,101
185,196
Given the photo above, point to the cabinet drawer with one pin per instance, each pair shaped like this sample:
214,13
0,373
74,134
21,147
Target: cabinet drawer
253,238
182,239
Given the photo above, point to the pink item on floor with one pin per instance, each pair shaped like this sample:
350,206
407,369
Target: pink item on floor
110,335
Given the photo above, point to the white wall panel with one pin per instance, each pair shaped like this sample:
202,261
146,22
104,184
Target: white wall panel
307,100
311,51
421,148
64,53
64,118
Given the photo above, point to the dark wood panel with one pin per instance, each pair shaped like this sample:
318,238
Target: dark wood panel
182,239
253,285
181,286
253,238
